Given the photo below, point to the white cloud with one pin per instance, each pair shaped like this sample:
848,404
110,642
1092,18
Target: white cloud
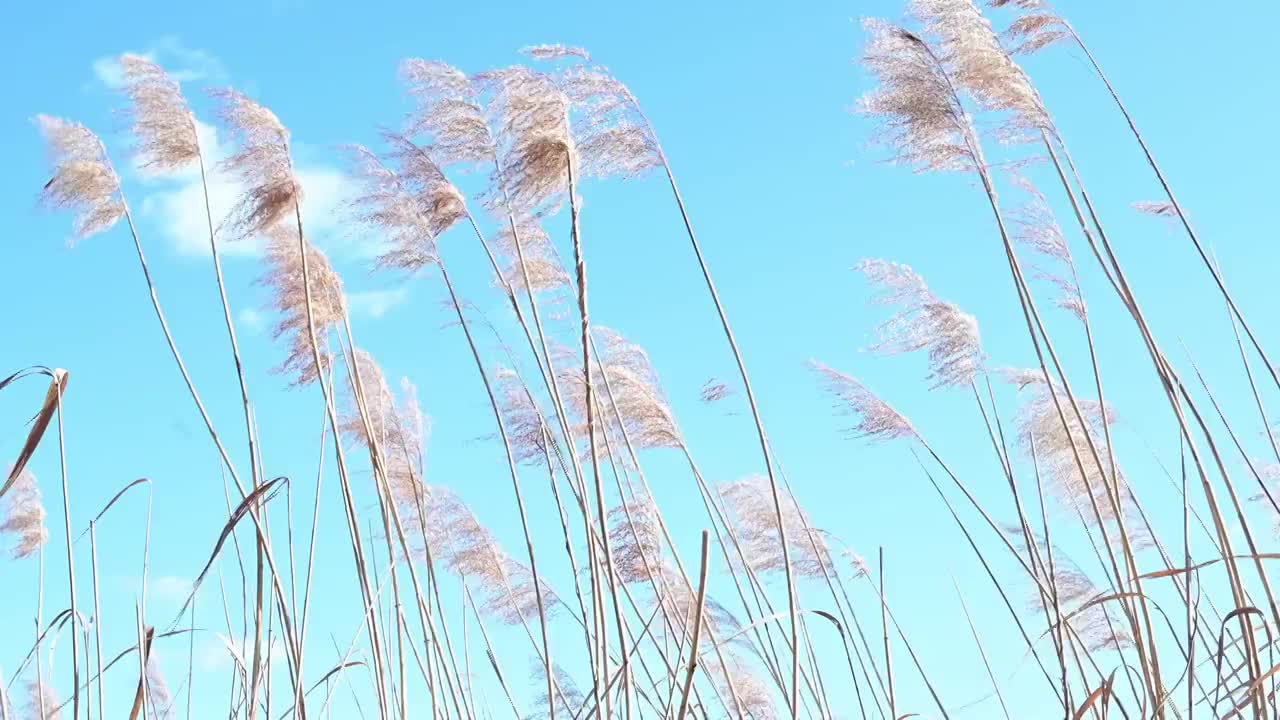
251,320
175,203
184,64
376,303
168,589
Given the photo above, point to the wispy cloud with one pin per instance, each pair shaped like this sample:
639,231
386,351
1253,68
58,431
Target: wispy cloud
175,204
251,321
185,64
376,303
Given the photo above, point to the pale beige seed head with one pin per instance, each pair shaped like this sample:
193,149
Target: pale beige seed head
749,502
283,277
83,181
1036,28
636,539
384,205
164,130
448,113
876,420
949,335
22,516
261,163
541,261
920,119
41,696
530,116
979,64
527,431
1035,226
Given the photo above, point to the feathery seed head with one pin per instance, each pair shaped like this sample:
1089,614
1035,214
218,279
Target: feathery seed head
448,113
920,117
530,114
555,52
83,180
541,262
1036,28
283,276
980,65
23,516
923,322
261,162
876,420
164,129
750,505
526,429
636,539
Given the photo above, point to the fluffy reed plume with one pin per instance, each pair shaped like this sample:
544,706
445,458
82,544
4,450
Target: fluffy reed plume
977,62
923,322
159,699
468,549
83,181
283,276
526,429
164,130
876,420
755,696
636,539
1035,226
613,138
1036,28
1056,448
42,702
750,505
262,163
1099,625
384,205
448,113
919,116
546,272
397,428
439,202
1156,209
633,384
531,116
568,700
23,516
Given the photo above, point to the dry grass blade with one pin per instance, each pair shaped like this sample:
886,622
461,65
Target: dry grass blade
1100,695
114,499
139,696
261,494
57,387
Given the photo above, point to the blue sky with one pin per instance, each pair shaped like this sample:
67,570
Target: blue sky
751,101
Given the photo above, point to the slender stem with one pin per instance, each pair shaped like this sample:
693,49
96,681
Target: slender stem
697,626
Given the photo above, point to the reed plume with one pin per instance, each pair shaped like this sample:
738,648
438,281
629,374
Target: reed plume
531,438
976,62
923,322
637,541
569,698
920,118
530,114
163,127
1055,446
750,506
540,264
159,699
448,113
283,277
261,162
83,181
875,419
23,516
1036,28
42,702
1035,227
